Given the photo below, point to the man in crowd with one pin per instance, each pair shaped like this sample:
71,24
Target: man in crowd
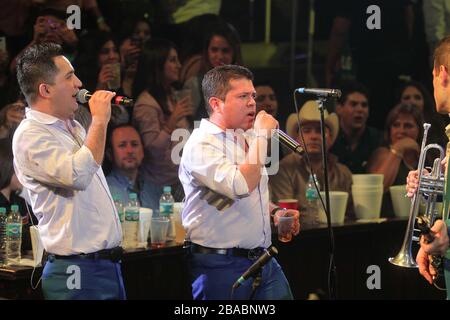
356,141
126,153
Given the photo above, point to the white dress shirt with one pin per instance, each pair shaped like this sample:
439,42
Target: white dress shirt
210,159
67,188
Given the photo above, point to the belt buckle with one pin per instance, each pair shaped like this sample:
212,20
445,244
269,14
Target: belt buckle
254,254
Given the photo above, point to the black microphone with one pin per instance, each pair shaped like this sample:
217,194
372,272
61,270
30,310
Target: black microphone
262,260
288,142
321,92
83,96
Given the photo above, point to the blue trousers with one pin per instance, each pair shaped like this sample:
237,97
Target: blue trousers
214,275
82,279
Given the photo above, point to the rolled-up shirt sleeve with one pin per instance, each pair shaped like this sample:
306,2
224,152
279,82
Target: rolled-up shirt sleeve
42,157
210,167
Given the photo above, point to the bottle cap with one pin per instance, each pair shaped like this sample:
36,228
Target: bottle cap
167,189
132,195
14,207
2,210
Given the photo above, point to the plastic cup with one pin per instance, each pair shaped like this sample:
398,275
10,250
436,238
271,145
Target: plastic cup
368,179
285,226
145,220
158,231
179,229
400,203
338,206
367,204
288,203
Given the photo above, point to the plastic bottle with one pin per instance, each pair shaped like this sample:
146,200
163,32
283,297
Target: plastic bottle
130,226
132,208
312,200
166,209
13,236
3,217
119,206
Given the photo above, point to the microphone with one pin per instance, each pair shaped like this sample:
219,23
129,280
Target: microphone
288,142
321,92
262,260
83,96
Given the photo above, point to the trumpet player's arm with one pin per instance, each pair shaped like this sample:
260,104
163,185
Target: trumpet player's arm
385,161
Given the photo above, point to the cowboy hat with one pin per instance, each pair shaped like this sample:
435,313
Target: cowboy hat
310,112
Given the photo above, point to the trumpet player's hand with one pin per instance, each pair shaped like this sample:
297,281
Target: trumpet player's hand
425,268
412,182
440,243
444,164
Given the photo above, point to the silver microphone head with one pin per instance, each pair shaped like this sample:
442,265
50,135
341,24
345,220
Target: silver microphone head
82,96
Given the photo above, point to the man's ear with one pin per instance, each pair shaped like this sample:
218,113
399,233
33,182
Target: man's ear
443,76
44,90
215,104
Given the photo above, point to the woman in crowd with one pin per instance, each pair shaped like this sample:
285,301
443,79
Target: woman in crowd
415,93
222,46
100,69
157,113
400,152
130,49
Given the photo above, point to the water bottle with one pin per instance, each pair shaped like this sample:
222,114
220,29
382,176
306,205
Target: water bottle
132,208
119,206
2,236
312,200
13,236
166,209
130,226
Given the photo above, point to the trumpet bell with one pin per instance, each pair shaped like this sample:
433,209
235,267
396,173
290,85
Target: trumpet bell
404,259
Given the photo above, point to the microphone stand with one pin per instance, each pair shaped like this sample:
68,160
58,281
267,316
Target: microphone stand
332,279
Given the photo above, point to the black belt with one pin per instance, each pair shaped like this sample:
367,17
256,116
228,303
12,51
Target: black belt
251,254
114,254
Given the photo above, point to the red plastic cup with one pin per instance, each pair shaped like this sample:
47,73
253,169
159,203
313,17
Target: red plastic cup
288,203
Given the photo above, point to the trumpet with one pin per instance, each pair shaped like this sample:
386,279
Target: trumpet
430,187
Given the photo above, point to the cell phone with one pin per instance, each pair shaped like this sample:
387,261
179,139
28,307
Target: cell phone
3,43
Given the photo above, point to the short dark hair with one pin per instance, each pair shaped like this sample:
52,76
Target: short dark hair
350,87
6,159
441,53
36,65
216,82
113,128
